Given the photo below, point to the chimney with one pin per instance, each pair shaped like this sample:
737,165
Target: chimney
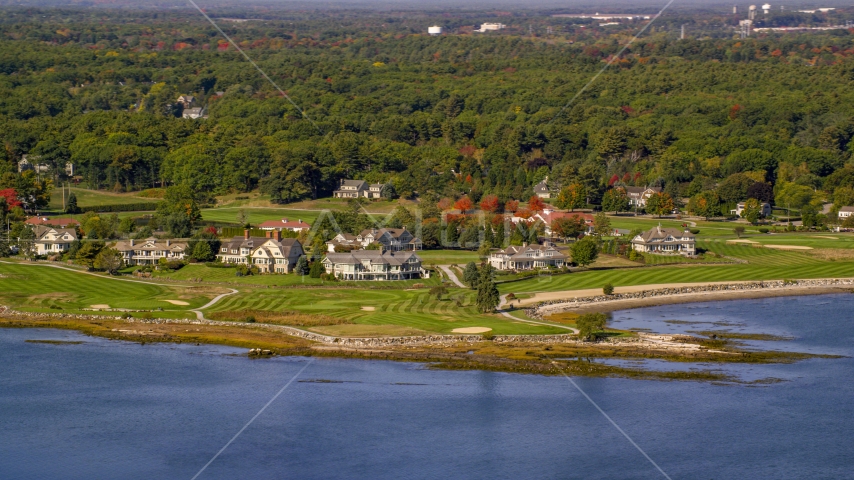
278,235
284,220
131,242
269,234
168,242
246,234
524,244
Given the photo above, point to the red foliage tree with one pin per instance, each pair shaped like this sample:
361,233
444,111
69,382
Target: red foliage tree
511,205
464,204
445,204
536,204
489,203
614,179
11,197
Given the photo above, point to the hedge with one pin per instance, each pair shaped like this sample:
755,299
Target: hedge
124,207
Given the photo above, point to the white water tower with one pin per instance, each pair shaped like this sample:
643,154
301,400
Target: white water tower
751,12
434,30
766,9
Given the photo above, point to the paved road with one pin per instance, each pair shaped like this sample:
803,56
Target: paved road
453,276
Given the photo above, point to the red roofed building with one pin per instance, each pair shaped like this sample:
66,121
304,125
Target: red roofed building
284,224
53,222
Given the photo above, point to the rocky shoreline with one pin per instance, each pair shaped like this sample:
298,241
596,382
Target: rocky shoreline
690,293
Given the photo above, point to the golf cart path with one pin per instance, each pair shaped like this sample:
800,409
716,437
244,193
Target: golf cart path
451,275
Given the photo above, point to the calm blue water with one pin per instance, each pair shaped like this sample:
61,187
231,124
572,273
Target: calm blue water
106,409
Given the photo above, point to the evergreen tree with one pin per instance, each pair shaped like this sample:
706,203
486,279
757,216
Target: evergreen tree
301,267
202,252
316,270
471,275
71,204
487,292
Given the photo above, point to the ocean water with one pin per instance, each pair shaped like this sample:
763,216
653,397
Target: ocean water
106,409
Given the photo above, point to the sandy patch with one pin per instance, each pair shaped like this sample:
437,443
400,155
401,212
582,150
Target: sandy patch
99,306
472,330
825,236
788,247
740,241
369,309
176,302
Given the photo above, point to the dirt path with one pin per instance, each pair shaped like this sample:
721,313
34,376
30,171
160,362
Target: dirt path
451,275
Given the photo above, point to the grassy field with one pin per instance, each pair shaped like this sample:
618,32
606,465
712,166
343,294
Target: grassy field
761,264
93,198
706,228
448,257
30,287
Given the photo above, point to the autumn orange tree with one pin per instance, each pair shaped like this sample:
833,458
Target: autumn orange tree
572,196
659,204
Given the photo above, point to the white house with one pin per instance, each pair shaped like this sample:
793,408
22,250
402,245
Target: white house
271,253
845,212
277,255
358,189
394,239
639,195
51,241
527,257
373,265
764,210
665,240
150,250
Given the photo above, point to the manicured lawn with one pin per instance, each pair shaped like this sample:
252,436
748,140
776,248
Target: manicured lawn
762,264
258,215
408,308
448,257
228,275
91,198
44,288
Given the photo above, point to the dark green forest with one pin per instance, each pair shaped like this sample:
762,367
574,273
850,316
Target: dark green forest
445,116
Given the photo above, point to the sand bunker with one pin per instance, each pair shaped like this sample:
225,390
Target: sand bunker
100,306
825,236
369,309
176,302
740,241
788,247
472,330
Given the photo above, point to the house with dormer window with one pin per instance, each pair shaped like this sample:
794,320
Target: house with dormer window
358,189
270,253
151,250
665,241
52,241
373,265
528,257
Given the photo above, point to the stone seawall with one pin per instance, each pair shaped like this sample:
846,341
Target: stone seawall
555,306
344,342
